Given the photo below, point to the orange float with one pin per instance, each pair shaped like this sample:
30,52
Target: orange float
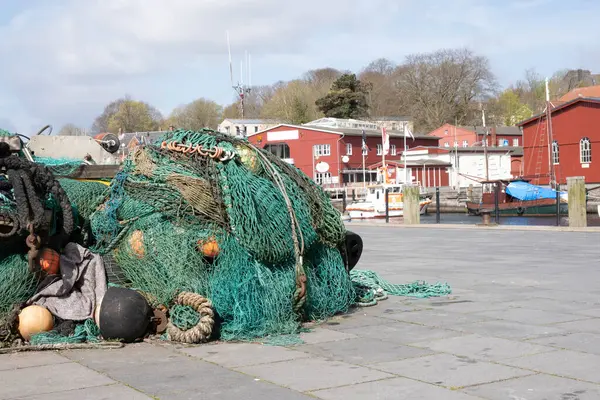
34,319
49,261
136,242
209,247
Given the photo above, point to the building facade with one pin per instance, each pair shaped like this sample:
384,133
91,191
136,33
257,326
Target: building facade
244,127
394,123
468,136
575,137
332,155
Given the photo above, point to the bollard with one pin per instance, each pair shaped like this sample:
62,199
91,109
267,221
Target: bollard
353,194
410,200
557,205
387,206
485,217
577,206
344,201
437,205
496,200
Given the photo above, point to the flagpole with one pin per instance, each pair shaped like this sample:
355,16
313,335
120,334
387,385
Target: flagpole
404,152
364,172
383,143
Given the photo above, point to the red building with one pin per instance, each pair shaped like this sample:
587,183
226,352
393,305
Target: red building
468,136
337,151
575,134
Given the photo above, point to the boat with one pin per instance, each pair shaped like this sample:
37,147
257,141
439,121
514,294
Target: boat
373,206
519,198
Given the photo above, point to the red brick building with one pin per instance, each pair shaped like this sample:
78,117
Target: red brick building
337,151
468,136
575,134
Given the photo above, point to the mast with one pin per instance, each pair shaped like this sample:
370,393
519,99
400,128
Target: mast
551,171
485,154
404,153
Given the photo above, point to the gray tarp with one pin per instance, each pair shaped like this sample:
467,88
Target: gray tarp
82,285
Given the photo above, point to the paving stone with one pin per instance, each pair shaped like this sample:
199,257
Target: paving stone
509,329
467,306
47,379
552,305
585,342
565,363
451,371
363,351
586,325
594,312
33,359
402,332
241,354
357,319
531,316
537,387
437,318
162,373
392,389
482,347
112,392
322,335
309,374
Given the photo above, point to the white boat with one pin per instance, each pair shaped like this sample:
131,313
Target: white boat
373,206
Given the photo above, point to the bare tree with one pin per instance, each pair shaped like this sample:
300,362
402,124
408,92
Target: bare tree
201,113
71,130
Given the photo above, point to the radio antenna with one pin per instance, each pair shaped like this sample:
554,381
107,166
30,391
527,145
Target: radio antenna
240,88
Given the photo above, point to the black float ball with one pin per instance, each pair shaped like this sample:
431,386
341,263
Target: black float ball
124,314
354,248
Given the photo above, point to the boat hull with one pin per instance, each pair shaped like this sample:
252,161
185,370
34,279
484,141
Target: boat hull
530,208
371,213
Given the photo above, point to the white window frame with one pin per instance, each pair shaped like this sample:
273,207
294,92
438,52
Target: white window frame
393,149
348,149
516,142
465,143
555,153
321,150
585,150
446,144
456,143
322,178
379,149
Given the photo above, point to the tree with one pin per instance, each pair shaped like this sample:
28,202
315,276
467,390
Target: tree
201,113
134,116
101,123
347,98
383,97
291,103
442,87
513,110
71,130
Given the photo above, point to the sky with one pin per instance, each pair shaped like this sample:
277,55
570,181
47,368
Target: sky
64,60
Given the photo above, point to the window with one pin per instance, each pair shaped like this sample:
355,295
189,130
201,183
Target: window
456,143
348,149
237,130
446,144
465,143
322,150
393,149
515,142
379,149
322,177
281,150
255,129
585,150
555,157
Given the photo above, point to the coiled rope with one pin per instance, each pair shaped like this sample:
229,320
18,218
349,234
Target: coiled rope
179,329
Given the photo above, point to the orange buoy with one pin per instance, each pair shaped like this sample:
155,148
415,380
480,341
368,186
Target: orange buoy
49,261
136,242
34,319
209,247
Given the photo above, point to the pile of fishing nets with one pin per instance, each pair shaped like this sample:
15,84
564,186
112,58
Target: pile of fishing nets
212,231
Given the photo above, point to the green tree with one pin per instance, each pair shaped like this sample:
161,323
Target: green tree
513,110
347,98
134,116
201,113
71,130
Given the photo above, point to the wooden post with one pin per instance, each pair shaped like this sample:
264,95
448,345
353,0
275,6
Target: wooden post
387,206
557,205
577,206
353,194
437,205
344,201
496,200
410,201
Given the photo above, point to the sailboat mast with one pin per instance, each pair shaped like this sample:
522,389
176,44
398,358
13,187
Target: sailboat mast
485,154
551,171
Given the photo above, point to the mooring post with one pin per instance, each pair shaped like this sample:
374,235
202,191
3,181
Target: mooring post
410,200
496,200
353,194
577,209
437,205
557,205
344,201
387,206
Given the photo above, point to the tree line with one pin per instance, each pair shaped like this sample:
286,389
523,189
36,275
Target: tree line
445,86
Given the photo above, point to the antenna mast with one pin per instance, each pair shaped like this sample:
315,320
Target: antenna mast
241,90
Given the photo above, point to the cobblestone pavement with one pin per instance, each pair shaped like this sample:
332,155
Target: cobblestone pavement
523,323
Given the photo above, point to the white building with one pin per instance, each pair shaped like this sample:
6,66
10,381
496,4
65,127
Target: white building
245,127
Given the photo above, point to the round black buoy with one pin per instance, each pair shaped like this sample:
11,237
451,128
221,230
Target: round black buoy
354,248
124,315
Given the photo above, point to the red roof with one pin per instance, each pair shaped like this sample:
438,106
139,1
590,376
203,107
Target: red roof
590,91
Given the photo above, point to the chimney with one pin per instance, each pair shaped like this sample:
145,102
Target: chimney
494,143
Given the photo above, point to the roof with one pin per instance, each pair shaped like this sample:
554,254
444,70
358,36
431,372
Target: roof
500,130
491,149
560,107
346,131
390,118
410,162
589,91
252,121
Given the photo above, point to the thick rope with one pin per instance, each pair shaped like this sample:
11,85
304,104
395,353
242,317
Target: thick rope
63,346
203,329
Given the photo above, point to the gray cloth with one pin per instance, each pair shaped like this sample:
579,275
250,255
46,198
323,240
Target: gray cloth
81,287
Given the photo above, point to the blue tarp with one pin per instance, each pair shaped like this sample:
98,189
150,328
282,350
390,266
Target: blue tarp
527,191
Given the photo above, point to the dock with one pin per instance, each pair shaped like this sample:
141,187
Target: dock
523,322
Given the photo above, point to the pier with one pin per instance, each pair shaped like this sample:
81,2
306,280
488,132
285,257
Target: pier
523,321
